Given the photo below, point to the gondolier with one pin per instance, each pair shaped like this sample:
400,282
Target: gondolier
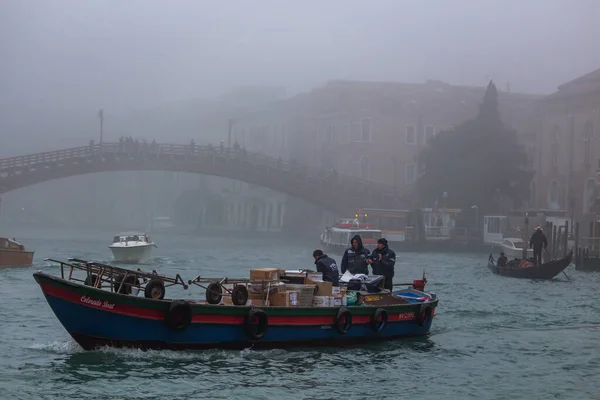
537,242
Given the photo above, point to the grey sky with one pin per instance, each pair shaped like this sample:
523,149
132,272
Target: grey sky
123,54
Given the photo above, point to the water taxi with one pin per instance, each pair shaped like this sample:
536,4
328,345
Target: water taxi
13,253
132,247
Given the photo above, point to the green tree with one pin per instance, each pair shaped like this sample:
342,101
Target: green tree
478,163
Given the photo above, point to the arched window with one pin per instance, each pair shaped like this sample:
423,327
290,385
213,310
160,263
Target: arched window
588,137
590,193
554,195
364,168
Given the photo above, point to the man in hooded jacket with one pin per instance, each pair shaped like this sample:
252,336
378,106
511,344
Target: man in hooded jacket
355,257
383,260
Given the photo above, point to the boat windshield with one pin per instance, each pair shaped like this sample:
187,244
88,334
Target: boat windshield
370,234
130,238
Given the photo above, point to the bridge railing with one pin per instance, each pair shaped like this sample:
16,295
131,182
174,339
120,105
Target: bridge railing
188,152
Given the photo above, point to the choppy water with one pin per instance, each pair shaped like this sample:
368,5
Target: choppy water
494,337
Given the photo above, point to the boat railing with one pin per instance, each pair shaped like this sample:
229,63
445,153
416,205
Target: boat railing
117,277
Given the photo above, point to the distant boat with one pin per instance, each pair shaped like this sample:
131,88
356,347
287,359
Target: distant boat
544,271
132,247
14,253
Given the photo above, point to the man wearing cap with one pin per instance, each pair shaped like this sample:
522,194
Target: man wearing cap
537,241
383,260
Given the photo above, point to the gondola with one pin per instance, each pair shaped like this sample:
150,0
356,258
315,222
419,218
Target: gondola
544,271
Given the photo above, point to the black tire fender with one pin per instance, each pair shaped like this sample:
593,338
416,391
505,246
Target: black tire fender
343,321
214,293
256,324
424,315
379,320
239,295
179,315
155,289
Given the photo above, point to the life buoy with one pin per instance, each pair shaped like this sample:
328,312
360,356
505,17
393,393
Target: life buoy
424,315
128,282
179,315
256,324
239,295
91,280
379,320
343,321
155,289
213,293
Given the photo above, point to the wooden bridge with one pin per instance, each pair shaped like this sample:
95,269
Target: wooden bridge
332,191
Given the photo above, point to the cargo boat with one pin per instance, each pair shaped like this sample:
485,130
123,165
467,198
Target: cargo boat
99,305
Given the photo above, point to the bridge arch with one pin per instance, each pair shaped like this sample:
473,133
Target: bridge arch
325,188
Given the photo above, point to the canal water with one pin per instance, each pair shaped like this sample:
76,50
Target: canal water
494,337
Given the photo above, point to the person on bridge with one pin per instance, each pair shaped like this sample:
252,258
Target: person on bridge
355,257
327,266
383,260
537,241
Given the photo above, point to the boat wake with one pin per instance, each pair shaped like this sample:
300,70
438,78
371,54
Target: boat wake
67,347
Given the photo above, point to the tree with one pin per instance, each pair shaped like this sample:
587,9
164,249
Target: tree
479,163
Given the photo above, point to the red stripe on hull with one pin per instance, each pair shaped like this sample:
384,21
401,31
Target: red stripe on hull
149,313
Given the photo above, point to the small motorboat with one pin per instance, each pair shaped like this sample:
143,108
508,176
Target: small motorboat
527,270
132,247
13,253
101,305
513,248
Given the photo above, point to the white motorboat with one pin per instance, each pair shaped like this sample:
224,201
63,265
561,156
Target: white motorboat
132,247
513,248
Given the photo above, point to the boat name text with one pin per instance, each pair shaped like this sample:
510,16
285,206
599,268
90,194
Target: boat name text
97,303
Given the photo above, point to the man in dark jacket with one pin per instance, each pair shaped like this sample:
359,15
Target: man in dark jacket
355,258
327,266
537,241
383,260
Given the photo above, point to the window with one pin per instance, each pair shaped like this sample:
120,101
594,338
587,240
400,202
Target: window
364,168
365,130
345,134
554,196
411,172
411,135
429,133
588,135
554,147
354,167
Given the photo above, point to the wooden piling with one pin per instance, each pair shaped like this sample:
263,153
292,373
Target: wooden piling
566,239
554,241
525,238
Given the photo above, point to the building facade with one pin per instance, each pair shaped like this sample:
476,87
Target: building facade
371,130
569,151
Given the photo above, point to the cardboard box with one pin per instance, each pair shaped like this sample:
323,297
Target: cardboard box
277,299
339,291
315,276
264,274
292,298
323,288
322,301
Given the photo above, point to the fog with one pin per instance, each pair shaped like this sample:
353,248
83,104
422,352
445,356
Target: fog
124,55
152,65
